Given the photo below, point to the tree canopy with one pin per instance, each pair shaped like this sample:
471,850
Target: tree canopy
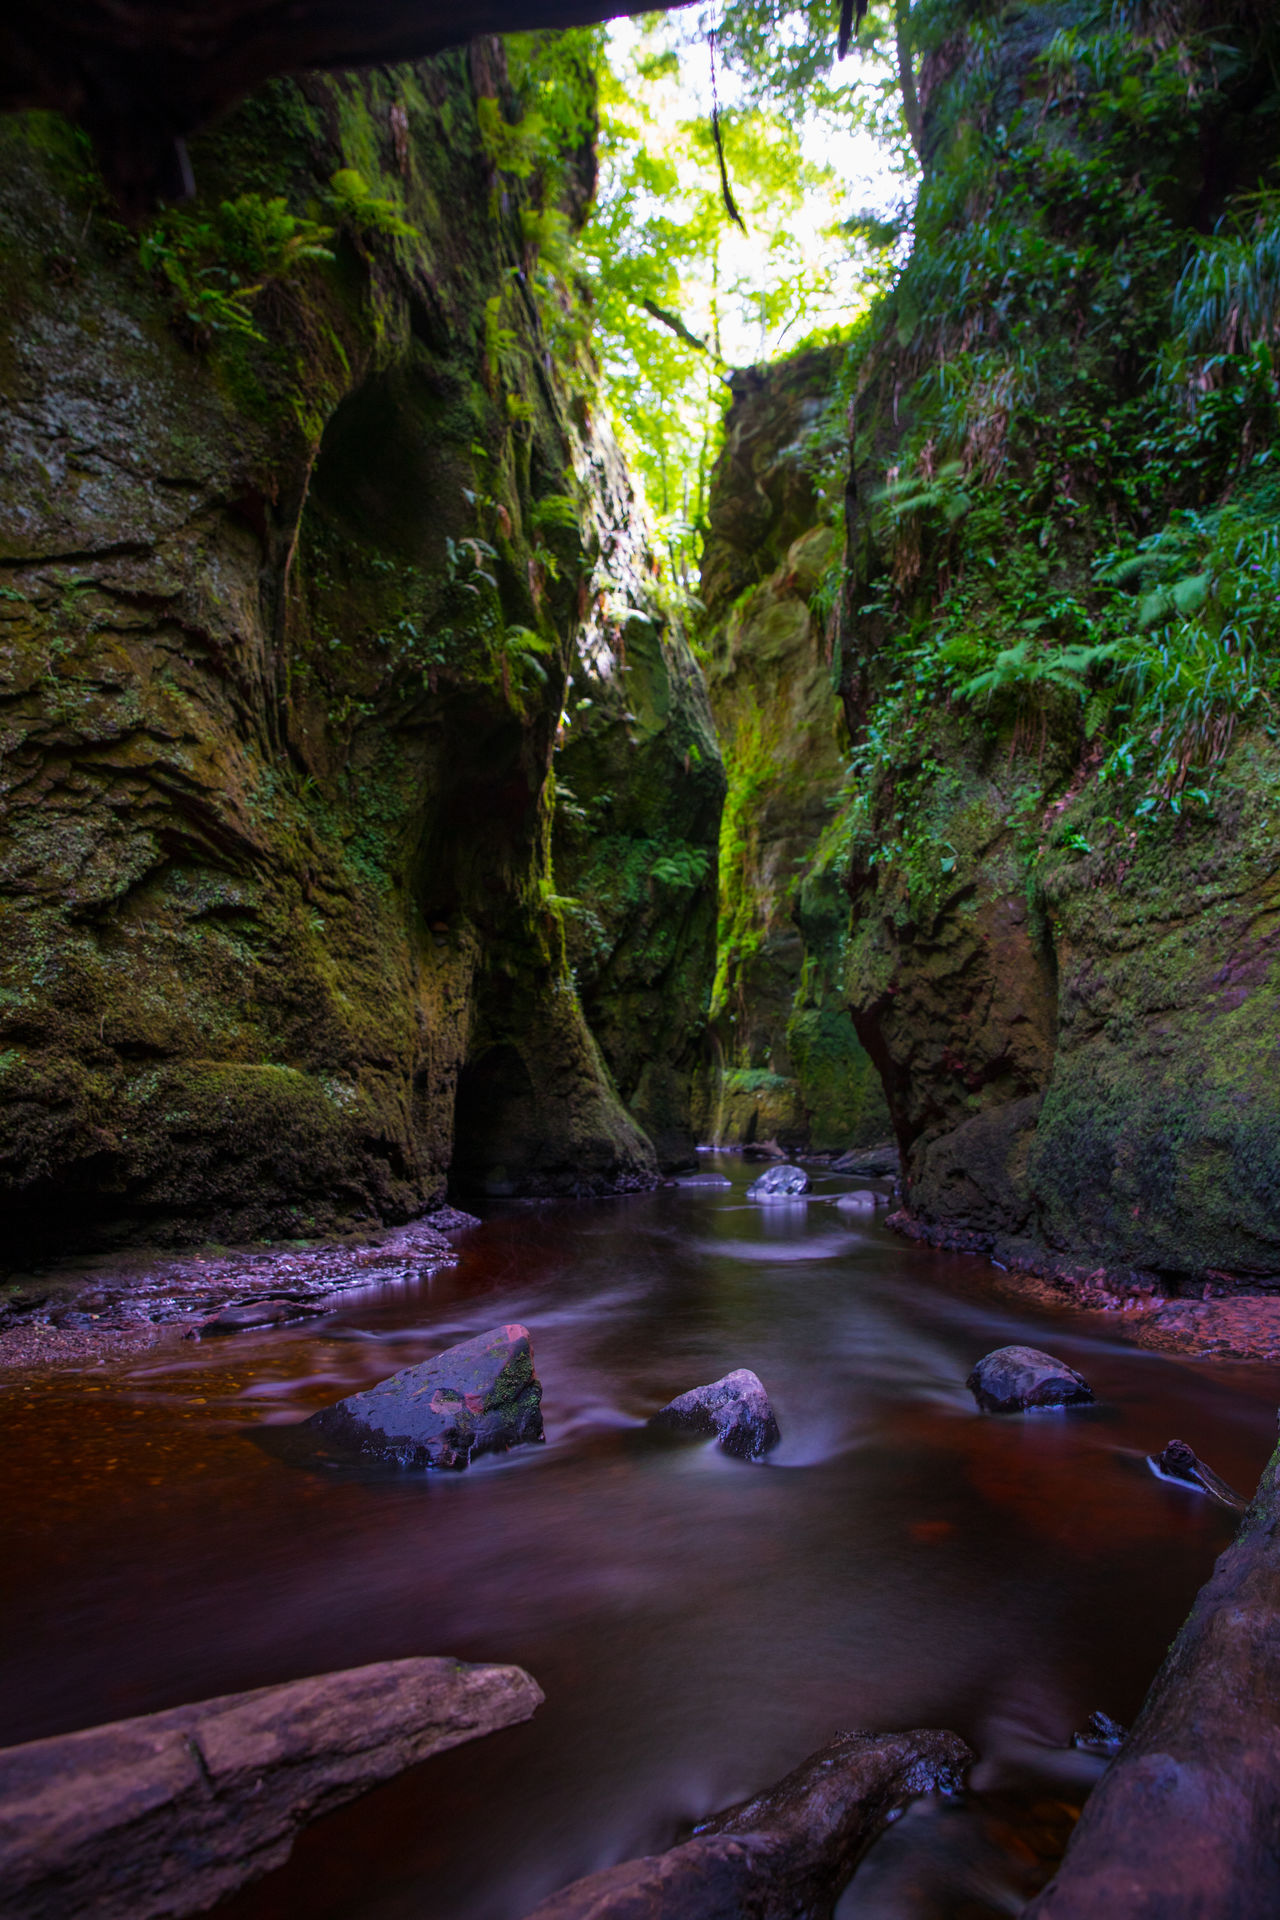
689,270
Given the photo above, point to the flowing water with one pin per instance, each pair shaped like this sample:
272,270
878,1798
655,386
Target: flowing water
698,1624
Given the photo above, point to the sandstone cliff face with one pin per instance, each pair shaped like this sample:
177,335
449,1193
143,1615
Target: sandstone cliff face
295,555
1069,981
786,1063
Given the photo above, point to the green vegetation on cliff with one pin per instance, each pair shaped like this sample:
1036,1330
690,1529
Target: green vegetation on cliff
301,531
1059,648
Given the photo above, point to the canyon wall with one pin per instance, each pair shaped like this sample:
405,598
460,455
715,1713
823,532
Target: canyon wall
304,535
1059,647
784,1062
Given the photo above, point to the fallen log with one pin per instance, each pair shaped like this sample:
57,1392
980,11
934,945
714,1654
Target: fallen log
168,1813
789,1853
1183,1824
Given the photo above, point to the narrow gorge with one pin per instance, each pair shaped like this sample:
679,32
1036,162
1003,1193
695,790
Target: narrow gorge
474,799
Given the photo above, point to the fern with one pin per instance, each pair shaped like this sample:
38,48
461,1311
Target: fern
682,868
1029,666
514,149
217,260
372,216
1210,666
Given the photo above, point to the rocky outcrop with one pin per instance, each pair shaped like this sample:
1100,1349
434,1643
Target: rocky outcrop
1068,981
141,84
785,1064
1182,1824
171,1812
297,527
481,1396
734,1410
1020,1379
789,1851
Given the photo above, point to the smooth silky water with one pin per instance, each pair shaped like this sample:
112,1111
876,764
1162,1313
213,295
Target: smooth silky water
699,1625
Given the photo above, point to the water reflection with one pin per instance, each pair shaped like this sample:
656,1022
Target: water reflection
698,1624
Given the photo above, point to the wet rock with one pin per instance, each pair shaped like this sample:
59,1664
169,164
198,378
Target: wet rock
873,1163
861,1200
735,1410
1016,1379
480,1397
779,1183
1101,1734
168,1813
1179,1462
451,1220
790,1851
1182,1826
242,1316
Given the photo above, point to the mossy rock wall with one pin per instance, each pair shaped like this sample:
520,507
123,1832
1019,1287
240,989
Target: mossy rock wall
1064,956
639,792
288,615
785,1062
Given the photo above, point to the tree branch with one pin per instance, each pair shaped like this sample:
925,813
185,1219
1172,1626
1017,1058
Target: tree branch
679,328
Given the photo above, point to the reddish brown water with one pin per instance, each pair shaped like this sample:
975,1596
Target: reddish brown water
698,1625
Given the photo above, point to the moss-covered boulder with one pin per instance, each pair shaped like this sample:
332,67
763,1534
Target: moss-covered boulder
785,1063
297,531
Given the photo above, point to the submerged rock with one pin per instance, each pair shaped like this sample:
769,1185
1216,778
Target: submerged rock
1179,1462
171,1812
480,1397
790,1851
1015,1379
861,1200
779,1183
735,1410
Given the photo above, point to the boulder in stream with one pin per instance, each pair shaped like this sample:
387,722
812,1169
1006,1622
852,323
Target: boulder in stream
735,1410
482,1396
861,1200
790,1851
1022,1379
168,1813
779,1183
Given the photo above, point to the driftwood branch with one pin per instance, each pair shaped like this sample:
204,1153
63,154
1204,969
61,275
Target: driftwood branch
789,1851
